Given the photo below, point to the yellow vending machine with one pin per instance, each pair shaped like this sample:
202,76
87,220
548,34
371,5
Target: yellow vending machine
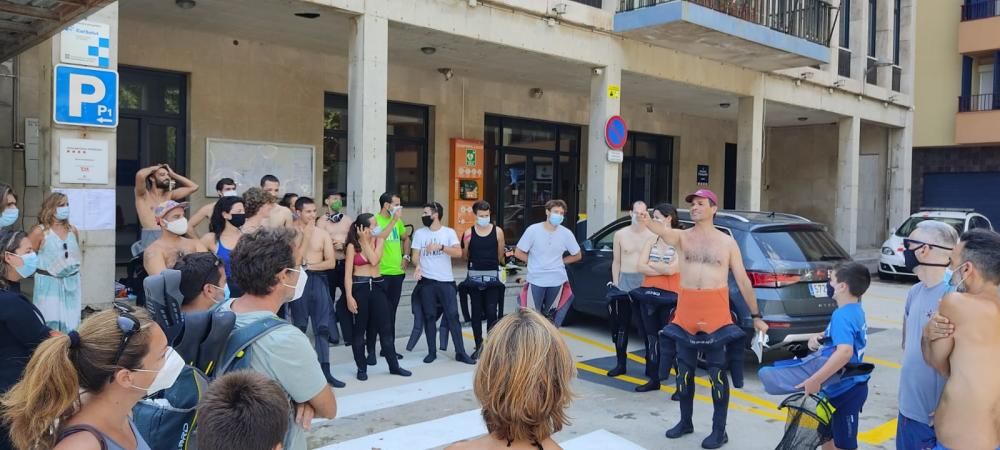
467,182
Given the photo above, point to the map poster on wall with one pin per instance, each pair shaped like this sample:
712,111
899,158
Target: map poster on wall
83,161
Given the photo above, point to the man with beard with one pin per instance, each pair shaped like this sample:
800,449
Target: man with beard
153,186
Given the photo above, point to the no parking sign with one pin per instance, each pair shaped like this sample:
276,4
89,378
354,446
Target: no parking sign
616,133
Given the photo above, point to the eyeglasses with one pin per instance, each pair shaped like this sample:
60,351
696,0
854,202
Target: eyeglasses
128,325
910,243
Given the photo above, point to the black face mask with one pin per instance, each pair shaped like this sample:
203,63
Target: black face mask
427,220
238,220
911,262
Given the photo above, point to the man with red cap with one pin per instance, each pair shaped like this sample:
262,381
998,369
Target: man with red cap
163,252
702,321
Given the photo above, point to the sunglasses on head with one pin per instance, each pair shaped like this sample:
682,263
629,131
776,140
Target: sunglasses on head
129,326
908,243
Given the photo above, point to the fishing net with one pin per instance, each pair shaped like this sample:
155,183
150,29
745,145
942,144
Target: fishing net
807,424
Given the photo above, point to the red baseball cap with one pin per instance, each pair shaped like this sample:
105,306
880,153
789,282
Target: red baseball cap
703,193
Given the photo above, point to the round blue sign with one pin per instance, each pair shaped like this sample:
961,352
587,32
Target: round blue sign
616,132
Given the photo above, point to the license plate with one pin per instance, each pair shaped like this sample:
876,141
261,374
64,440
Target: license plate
818,290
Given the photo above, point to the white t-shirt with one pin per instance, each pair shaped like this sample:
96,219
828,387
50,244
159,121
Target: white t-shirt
435,265
545,251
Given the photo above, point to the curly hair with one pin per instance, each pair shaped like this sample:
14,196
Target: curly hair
256,198
260,256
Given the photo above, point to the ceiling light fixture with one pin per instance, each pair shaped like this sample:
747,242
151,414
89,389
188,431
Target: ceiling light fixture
649,107
185,4
428,50
803,119
724,105
307,15
447,73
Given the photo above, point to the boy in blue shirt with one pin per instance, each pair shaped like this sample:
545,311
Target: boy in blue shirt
848,333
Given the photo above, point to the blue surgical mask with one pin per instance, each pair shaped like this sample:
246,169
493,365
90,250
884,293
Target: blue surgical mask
948,273
555,219
8,217
225,293
482,221
62,213
376,231
30,264
954,286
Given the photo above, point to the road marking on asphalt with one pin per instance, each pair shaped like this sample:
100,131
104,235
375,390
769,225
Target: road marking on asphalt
600,440
875,436
365,402
423,435
882,362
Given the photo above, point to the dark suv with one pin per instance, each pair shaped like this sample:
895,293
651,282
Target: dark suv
788,259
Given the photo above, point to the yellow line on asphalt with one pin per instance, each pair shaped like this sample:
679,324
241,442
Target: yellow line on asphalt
882,362
879,434
874,436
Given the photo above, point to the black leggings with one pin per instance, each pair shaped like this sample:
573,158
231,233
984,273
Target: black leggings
485,304
715,360
439,293
393,290
652,318
620,318
372,319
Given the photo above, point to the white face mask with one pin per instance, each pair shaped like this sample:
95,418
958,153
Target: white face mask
232,193
300,286
166,376
178,227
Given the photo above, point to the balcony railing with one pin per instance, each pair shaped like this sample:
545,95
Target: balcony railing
806,19
981,9
594,3
981,102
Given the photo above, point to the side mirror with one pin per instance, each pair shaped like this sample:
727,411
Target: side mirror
587,245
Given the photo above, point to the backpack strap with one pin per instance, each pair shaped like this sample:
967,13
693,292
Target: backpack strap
243,338
66,432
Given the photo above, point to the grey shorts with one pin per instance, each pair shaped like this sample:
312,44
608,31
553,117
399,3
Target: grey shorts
628,281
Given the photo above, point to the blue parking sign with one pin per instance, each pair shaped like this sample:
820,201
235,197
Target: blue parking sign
85,96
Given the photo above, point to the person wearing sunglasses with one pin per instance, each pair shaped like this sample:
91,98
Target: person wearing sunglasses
57,282
84,384
264,265
22,326
927,253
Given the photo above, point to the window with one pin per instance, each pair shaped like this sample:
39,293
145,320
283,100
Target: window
911,224
845,24
872,21
407,146
985,78
895,32
647,171
979,222
799,244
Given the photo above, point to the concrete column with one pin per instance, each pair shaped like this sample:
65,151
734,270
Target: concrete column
907,44
368,82
97,270
900,172
884,45
834,40
750,150
603,177
848,171
859,38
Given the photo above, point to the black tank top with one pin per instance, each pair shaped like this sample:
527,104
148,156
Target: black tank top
483,251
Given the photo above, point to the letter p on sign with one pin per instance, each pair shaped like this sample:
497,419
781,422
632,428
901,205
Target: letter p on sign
85,96
79,85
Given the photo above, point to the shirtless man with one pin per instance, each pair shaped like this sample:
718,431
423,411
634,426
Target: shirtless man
337,223
317,259
258,206
225,187
627,247
709,255
280,215
153,186
162,254
964,347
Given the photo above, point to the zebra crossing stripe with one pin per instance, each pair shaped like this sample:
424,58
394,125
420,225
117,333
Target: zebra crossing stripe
600,440
361,403
419,436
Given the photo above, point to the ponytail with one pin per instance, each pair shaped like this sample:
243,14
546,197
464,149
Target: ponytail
49,391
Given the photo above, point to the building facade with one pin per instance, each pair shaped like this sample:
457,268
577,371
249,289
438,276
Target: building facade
956,144
798,106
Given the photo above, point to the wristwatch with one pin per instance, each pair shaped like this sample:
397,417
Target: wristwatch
756,316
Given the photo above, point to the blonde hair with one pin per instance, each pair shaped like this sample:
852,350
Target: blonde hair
254,199
50,389
523,378
47,216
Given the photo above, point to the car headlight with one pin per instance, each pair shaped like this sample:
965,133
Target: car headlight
887,251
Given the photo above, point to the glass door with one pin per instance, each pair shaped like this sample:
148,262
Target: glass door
528,182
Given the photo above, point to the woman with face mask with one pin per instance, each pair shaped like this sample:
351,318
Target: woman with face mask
79,389
57,281
22,327
8,206
224,232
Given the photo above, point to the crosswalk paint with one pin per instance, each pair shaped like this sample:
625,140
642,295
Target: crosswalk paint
419,436
354,404
599,440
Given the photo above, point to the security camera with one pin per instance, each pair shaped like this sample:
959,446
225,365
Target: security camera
597,71
447,73
559,9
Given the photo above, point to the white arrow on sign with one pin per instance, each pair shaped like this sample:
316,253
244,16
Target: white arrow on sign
103,120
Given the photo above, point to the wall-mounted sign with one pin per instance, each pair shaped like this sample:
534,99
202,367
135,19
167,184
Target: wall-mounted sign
83,161
616,132
702,176
87,44
616,156
614,91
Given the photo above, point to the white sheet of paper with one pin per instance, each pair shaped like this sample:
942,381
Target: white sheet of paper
91,209
758,345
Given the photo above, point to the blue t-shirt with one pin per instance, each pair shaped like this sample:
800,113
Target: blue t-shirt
920,386
848,327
